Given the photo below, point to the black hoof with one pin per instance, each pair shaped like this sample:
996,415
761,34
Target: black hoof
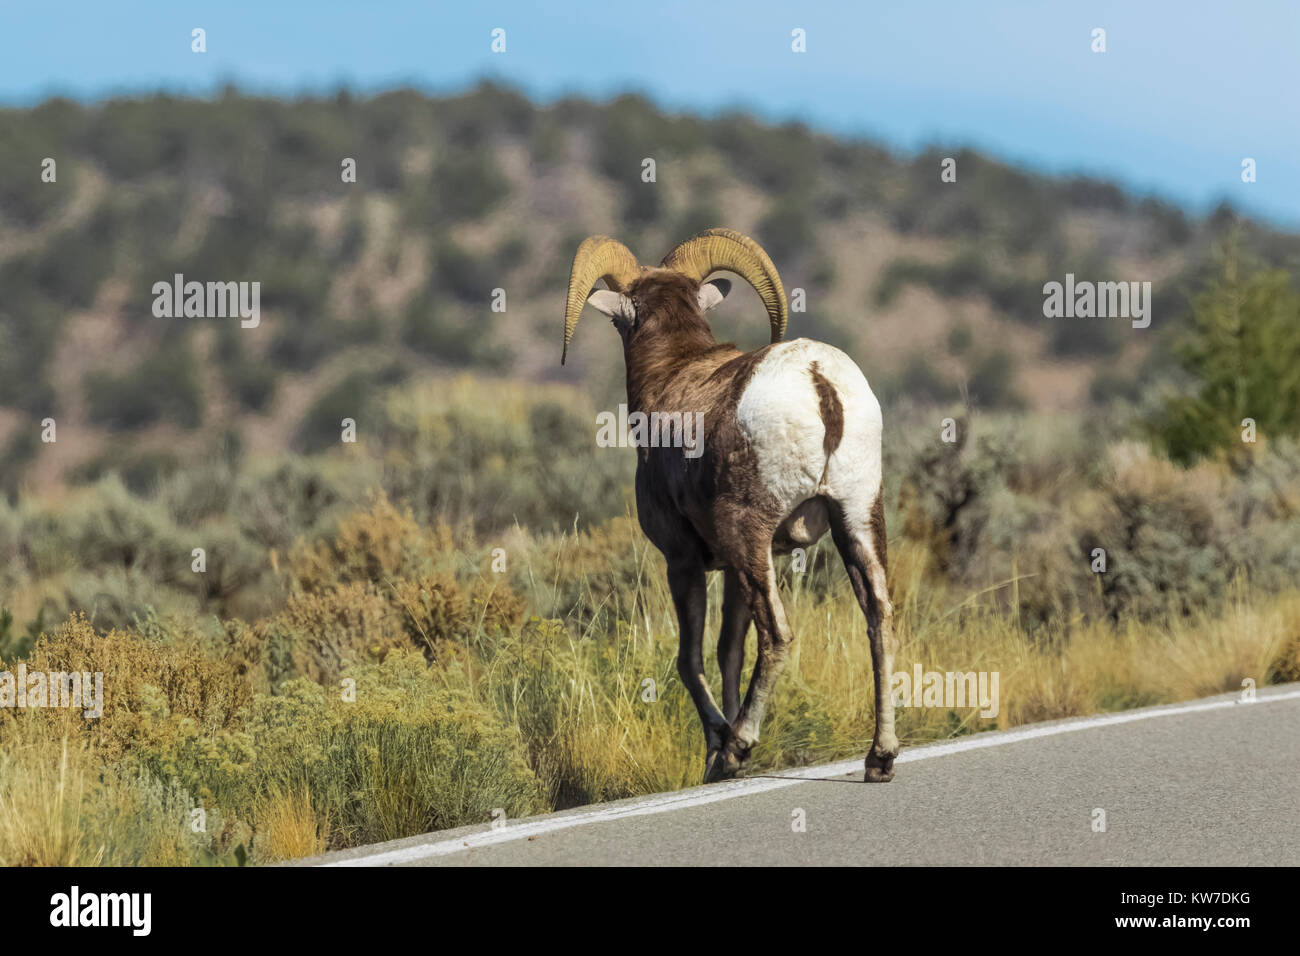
720,765
880,768
726,761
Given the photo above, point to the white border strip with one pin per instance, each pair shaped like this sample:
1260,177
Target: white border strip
700,796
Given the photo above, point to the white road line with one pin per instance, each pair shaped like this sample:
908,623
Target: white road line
699,796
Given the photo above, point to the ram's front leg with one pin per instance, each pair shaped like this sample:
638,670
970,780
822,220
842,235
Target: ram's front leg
688,585
736,619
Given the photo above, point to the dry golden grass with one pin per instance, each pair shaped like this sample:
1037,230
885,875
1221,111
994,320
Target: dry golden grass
289,827
63,804
42,803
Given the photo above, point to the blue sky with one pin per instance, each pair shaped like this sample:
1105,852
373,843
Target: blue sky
1184,92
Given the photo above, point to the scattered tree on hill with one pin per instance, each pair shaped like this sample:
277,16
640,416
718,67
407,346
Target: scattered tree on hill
1242,357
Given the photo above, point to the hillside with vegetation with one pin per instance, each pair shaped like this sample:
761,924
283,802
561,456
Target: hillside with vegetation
936,288
471,566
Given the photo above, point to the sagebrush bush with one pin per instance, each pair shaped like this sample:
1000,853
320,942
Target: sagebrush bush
495,454
151,687
376,545
1026,527
371,587
320,633
61,806
411,750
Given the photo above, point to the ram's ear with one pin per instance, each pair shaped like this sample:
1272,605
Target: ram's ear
614,304
711,293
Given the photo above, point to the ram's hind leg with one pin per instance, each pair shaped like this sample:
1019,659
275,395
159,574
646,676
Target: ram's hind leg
756,581
860,539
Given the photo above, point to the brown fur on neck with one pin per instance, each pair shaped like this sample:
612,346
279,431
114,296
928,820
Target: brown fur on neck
669,334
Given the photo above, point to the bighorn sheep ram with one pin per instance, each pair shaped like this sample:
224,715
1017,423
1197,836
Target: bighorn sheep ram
791,448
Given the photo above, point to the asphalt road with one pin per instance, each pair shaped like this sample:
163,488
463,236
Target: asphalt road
1211,782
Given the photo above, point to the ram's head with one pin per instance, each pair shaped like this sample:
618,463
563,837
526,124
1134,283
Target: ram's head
636,293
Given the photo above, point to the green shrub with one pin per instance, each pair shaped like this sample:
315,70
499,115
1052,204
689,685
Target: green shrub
141,472
992,380
1075,337
524,456
966,273
467,184
788,231
1241,356
919,381
465,276
164,386
960,338
356,396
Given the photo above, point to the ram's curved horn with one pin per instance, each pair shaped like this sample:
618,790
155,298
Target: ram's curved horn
717,249
599,257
